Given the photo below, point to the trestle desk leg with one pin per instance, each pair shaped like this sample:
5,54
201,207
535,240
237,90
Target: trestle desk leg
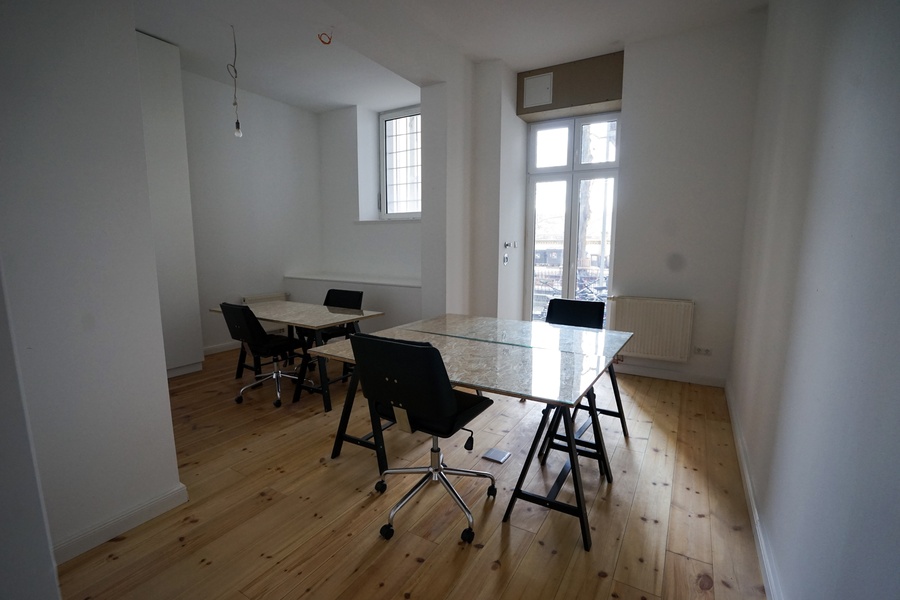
345,415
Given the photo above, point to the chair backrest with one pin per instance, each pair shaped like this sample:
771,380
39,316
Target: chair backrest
344,298
407,374
577,313
243,324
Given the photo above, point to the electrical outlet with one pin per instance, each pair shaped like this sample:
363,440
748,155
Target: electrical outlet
702,351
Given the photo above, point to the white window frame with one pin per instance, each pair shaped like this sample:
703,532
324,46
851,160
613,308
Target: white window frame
572,172
382,166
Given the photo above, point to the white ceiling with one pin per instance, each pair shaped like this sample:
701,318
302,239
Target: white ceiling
281,57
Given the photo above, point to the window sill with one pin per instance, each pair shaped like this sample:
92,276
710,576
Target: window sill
399,220
366,279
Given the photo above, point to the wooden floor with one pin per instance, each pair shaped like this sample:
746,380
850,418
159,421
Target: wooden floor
271,515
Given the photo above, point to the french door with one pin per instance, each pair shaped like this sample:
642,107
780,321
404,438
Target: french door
572,172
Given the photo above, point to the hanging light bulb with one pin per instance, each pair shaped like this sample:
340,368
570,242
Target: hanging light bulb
232,70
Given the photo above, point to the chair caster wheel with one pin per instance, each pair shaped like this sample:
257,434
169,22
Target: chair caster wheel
277,403
239,400
387,531
380,487
467,535
492,491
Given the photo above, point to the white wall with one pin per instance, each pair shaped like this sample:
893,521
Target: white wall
401,303
162,109
371,250
434,251
27,568
255,199
686,132
813,393
78,254
513,142
498,193
367,159
457,103
446,80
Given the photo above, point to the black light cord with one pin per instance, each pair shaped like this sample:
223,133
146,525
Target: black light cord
232,71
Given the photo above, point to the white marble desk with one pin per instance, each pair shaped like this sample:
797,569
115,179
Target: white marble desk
538,334
310,320
312,317
541,374
531,334
496,355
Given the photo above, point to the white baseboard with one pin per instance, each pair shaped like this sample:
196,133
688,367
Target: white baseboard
216,348
657,373
95,536
769,572
184,369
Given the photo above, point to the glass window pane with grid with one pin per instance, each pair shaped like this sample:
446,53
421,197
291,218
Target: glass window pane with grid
598,142
571,234
403,164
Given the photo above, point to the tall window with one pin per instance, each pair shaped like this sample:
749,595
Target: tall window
401,164
572,171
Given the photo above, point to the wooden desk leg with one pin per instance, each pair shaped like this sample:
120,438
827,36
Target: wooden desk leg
576,477
531,452
345,416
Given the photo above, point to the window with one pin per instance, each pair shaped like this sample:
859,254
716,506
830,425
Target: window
572,170
400,140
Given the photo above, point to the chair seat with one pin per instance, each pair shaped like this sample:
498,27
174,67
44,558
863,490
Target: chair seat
470,406
275,345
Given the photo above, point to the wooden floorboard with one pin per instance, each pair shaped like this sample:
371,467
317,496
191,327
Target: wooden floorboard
272,516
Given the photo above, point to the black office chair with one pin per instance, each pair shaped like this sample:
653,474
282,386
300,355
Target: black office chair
246,328
342,299
406,382
336,298
582,313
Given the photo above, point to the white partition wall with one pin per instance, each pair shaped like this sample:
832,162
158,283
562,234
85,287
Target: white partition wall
170,203
27,568
80,269
498,192
813,392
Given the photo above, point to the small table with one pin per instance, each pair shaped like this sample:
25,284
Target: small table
553,364
310,320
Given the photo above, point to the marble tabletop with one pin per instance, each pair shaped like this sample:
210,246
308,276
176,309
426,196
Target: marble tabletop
531,334
491,358
307,316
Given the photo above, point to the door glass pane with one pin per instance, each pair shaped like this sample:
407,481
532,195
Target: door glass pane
549,234
598,142
593,242
552,147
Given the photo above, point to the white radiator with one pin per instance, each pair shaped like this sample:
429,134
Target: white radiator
273,297
661,326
